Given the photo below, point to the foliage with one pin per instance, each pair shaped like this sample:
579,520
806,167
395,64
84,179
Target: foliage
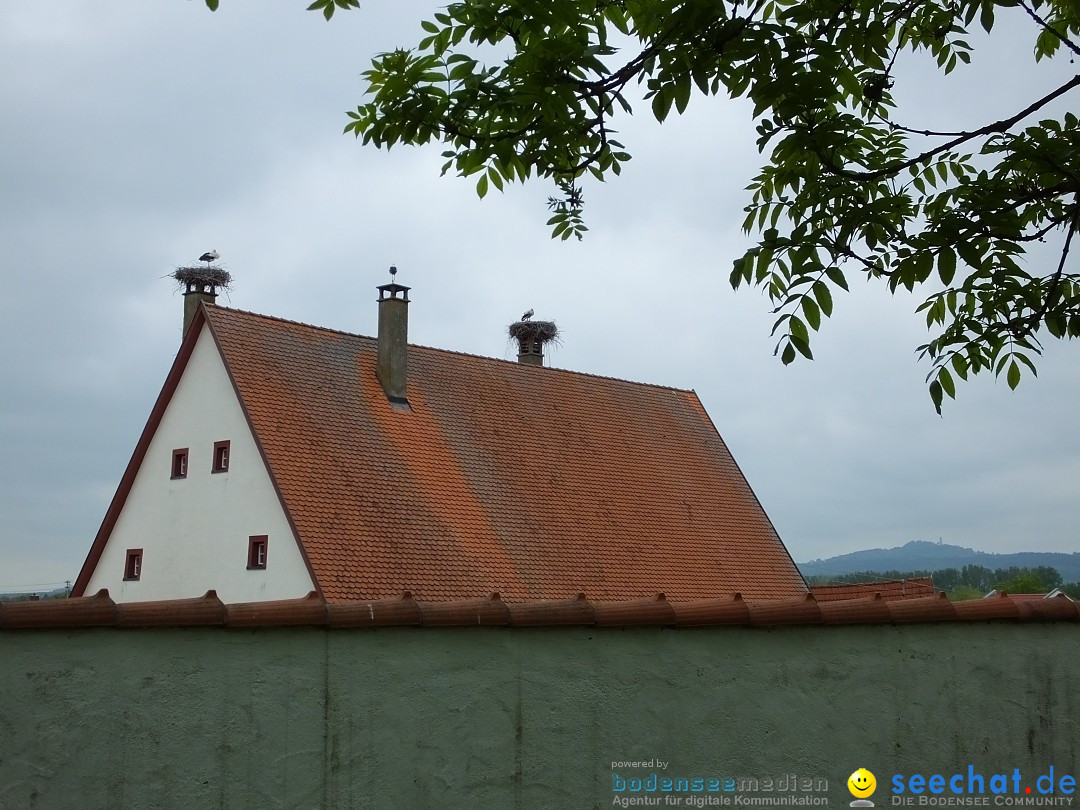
1027,580
327,7
850,187
963,592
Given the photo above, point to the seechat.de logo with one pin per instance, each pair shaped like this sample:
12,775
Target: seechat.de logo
862,784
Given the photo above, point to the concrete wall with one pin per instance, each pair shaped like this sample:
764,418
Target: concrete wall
512,718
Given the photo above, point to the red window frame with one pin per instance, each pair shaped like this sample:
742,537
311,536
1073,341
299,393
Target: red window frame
222,451
180,462
257,548
133,564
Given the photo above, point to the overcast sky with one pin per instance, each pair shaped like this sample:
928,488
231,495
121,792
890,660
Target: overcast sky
138,135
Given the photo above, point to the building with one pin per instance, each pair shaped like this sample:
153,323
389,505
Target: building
1029,597
282,458
913,588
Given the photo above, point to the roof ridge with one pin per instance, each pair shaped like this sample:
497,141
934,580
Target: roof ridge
458,353
100,610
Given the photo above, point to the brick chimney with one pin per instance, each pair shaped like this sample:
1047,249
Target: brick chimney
393,361
531,336
530,351
200,284
195,292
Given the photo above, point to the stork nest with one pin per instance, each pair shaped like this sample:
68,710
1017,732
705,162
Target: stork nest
543,331
203,276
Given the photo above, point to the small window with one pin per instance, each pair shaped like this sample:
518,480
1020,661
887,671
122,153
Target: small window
179,463
257,551
221,457
133,564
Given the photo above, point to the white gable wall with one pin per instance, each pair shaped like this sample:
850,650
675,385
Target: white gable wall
194,531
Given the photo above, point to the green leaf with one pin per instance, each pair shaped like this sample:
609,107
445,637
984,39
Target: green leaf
682,93
1013,375
970,254
798,329
935,395
1023,358
947,385
482,186
824,297
1056,325
812,313
836,276
946,265
738,272
960,366
803,346
661,104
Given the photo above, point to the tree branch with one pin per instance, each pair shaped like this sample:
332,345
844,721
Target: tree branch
1068,43
1004,125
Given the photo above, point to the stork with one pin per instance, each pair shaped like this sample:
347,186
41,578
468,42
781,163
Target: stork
210,256
527,315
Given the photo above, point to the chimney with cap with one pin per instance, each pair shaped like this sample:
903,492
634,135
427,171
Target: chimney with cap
392,367
531,336
194,294
200,283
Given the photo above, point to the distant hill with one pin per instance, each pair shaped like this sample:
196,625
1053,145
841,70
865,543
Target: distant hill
922,555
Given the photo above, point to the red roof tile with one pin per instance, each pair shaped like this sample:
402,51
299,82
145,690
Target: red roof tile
535,483
1023,597
913,588
1057,593
100,611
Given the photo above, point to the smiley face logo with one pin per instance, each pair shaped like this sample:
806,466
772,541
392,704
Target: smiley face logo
861,783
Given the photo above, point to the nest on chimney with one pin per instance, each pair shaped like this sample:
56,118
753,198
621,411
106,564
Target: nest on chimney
542,331
203,277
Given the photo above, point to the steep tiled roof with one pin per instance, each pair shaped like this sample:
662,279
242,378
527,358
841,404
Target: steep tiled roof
888,589
531,482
